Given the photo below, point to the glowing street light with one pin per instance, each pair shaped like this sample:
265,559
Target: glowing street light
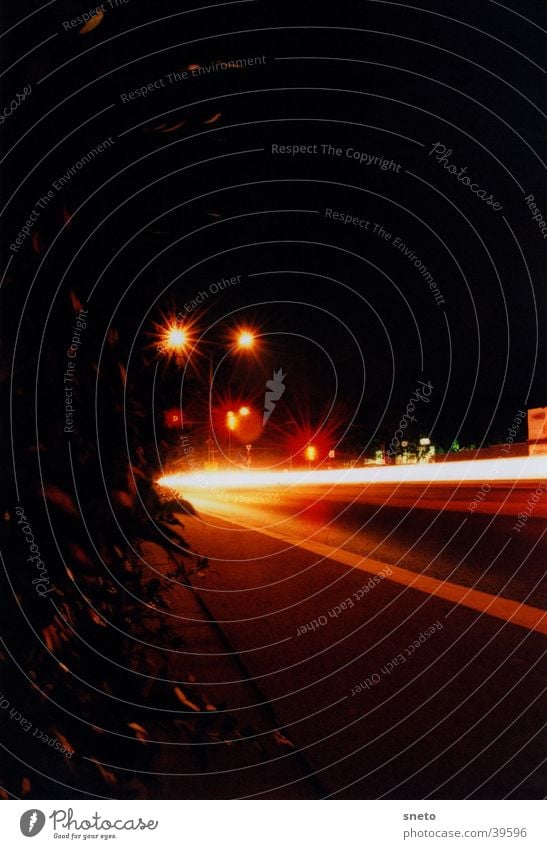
245,339
310,454
231,424
234,423
175,338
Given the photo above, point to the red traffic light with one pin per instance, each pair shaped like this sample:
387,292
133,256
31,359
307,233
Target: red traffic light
173,418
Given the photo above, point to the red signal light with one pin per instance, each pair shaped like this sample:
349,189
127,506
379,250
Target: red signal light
173,418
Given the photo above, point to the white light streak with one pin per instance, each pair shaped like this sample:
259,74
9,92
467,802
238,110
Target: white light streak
513,469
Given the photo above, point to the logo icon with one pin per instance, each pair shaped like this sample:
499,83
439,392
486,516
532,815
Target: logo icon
276,389
32,822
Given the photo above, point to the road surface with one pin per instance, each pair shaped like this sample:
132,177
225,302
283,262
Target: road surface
386,631
458,533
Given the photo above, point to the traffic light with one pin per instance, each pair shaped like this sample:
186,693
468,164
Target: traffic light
173,418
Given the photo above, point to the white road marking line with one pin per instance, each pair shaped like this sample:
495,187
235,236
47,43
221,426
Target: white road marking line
515,612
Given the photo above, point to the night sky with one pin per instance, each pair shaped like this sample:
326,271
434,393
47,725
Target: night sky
361,185
189,192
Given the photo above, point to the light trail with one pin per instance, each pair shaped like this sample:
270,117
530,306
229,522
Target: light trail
478,471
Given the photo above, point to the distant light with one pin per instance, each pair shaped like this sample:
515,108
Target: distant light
246,339
311,453
244,411
231,420
173,417
425,441
176,338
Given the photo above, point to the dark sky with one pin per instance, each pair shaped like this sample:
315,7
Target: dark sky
167,210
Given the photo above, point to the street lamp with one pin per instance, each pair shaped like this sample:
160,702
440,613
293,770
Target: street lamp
245,339
176,339
231,424
311,455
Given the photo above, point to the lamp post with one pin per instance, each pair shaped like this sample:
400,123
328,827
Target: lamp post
176,338
231,424
245,340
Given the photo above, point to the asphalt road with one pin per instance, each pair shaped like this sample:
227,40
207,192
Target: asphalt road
433,530
385,686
